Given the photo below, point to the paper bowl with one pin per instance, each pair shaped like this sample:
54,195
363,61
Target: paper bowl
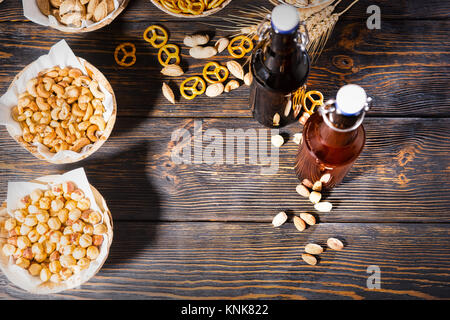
191,16
96,26
37,287
95,74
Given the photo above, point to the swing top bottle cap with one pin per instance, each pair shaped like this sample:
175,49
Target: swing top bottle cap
285,19
351,99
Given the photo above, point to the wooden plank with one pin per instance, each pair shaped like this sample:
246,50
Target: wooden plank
403,75
402,174
257,261
141,10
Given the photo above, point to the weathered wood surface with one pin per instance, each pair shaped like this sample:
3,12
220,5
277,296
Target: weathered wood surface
257,261
401,175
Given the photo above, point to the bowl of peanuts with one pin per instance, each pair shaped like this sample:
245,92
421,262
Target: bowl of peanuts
55,237
190,8
61,113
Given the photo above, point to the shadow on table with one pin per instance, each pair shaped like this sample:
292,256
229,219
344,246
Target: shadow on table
125,184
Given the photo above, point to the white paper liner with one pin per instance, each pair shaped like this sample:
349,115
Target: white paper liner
32,12
20,276
60,55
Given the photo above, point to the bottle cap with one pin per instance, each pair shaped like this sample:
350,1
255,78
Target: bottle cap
350,100
285,19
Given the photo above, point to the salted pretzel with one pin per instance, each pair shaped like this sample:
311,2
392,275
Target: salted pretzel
156,40
240,46
212,72
195,8
315,102
193,89
171,52
122,48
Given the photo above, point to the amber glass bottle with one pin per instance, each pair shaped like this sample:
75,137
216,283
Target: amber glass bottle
279,65
333,138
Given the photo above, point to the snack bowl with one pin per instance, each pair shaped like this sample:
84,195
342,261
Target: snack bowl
158,4
95,26
96,75
32,283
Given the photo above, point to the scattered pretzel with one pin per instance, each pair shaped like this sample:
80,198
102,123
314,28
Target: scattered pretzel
239,50
193,89
156,40
209,74
315,102
172,52
126,54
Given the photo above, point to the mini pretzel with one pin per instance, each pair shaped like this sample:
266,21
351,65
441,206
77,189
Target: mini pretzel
216,72
156,40
240,46
193,89
172,52
195,8
126,54
315,103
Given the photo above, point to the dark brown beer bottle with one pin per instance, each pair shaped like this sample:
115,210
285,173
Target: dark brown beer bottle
279,66
333,138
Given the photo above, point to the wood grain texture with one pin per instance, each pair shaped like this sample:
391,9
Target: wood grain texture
401,175
141,10
257,261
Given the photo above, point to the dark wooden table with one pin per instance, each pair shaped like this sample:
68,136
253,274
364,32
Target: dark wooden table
204,231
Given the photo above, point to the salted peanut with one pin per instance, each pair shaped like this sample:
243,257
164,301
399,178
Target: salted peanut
68,187
85,240
308,218
42,228
10,224
79,253
49,247
67,261
221,44
27,253
65,273
199,52
315,197
31,220
235,69
100,229
8,249
20,215
65,240
68,230
95,217
325,178
32,209
42,238
44,203
55,278
37,248
215,89
309,259
42,216
63,215
75,238
248,78
54,223
54,256
313,248
78,226
54,266
36,194
335,244
88,229
55,236
85,215
276,120
23,242
24,202
279,219
75,214
277,140
302,190
33,235
45,274
298,138
299,224
70,205
77,195
84,262
97,240
15,232
57,190
317,186
40,257
307,183
323,206
92,252
24,229
67,250
231,85
35,269
195,40
18,253
23,263
57,204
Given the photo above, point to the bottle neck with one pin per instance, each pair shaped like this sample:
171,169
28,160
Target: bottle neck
281,43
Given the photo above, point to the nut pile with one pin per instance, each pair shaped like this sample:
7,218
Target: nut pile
54,234
314,195
72,12
61,109
312,250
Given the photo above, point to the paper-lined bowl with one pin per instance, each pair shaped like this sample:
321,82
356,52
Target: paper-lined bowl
192,16
95,74
31,284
